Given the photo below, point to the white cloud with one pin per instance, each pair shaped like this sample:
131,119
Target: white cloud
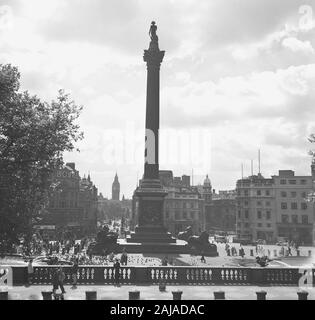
297,45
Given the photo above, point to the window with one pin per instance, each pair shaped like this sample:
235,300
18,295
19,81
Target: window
246,225
239,214
284,205
293,205
283,194
283,181
246,214
303,181
294,218
267,203
304,219
258,192
246,193
292,181
245,203
184,215
177,217
303,194
268,215
284,218
258,203
258,214
293,194
267,192
268,225
303,206
259,225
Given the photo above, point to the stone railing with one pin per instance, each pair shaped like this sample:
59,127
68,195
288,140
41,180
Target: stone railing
177,275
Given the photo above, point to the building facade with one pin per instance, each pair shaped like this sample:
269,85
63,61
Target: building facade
275,208
221,213
294,214
72,205
255,209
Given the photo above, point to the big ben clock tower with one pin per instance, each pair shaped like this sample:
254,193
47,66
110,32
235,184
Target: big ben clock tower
115,188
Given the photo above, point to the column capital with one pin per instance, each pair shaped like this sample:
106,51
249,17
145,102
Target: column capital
153,57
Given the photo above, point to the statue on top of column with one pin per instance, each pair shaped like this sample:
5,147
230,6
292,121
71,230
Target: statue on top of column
152,32
154,43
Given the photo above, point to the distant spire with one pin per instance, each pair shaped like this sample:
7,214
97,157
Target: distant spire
89,177
137,179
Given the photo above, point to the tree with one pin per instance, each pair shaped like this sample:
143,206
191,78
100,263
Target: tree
311,139
33,137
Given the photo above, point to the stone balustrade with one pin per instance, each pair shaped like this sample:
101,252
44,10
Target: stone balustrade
175,275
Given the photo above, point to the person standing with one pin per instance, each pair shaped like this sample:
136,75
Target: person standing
241,252
30,272
74,273
117,271
55,281
61,279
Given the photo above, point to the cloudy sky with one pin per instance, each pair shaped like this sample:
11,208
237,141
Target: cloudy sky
237,76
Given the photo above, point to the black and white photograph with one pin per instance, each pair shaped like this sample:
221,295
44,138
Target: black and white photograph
157,150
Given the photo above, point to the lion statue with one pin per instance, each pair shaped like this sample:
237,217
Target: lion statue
184,235
201,243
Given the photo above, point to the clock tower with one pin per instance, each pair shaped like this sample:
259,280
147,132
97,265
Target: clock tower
115,188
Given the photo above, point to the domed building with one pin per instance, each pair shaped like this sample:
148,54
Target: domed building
207,190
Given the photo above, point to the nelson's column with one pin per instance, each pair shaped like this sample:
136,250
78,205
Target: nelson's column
151,232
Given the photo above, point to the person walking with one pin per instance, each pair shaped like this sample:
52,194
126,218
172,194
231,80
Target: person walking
117,271
289,251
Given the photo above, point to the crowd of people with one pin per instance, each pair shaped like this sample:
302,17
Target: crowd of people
261,250
232,251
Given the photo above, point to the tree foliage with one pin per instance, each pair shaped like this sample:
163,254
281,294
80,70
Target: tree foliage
311,139
33,137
